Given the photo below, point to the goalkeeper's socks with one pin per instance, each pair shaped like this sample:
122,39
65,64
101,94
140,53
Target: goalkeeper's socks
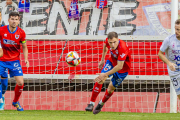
18,90
4,83
107,96
95,92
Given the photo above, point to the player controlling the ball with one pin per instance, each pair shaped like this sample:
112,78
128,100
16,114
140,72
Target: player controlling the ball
171,48
117,66
11,37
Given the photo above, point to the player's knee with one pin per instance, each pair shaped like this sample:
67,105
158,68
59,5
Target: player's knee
110,90
20,83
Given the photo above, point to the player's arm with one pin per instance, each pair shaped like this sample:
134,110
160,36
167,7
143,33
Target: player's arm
120,63
105,50
103,76
118,67
1,50
165,60
123,52
25,49
161,55
25,52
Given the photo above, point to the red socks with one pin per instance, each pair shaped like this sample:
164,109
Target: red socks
95,92
18,90
106,96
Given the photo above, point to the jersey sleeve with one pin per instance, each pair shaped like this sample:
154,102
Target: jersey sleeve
123,52
23,37
165,45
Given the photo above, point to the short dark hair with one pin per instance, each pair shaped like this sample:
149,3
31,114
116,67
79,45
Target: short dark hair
111,35
177,22
13,14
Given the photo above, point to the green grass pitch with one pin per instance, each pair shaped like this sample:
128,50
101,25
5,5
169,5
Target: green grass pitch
82,115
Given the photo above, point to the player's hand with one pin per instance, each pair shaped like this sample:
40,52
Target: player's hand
27,63
101,64
8,2
101,78
172,66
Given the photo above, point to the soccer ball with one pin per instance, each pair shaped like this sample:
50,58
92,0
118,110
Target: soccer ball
72,59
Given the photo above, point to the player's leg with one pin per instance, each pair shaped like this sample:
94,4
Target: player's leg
4,82
2,69
176,84
18,90
1,100
95,92
115,82
109,92
97,88
16,71
19,87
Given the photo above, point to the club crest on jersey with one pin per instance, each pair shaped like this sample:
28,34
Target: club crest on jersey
5,35
16,36
115,55
173,45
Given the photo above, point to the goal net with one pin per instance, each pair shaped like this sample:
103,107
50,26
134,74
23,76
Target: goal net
143,24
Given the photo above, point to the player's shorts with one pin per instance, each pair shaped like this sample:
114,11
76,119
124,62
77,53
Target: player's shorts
117,78
176,83
5,74
14,67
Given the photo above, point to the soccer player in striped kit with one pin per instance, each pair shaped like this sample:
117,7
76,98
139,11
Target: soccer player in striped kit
171,48
11,37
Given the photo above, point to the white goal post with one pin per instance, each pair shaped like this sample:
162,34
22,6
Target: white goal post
174,17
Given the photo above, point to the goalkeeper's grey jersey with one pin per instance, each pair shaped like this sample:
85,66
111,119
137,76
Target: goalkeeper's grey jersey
171,47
